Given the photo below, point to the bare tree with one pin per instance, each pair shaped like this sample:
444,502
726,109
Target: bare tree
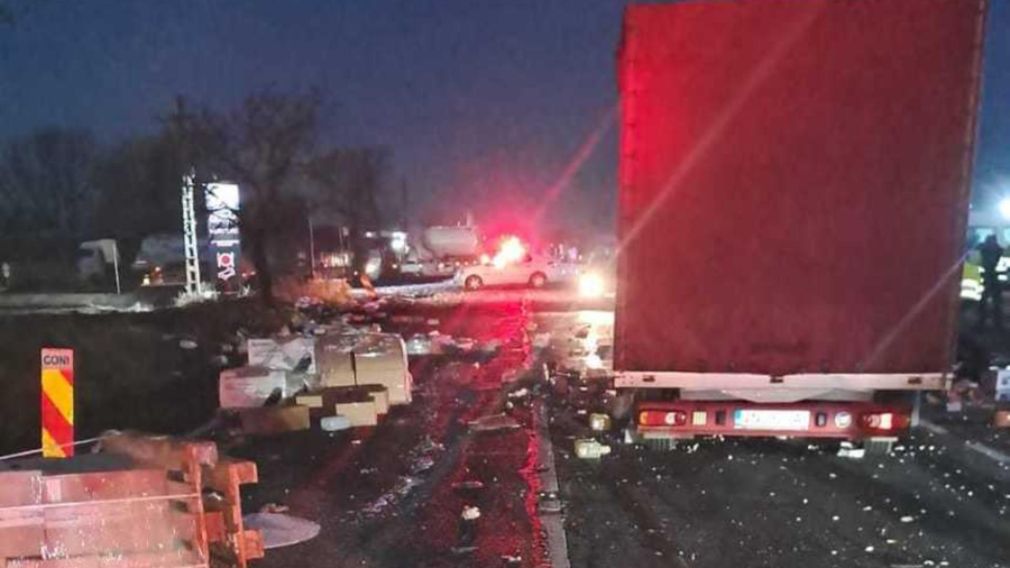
138,187
351,182
260,146
45,180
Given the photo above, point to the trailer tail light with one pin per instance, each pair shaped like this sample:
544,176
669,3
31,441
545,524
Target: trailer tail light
662,418
883,421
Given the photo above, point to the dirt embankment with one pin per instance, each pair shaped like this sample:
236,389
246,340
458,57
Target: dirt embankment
132,370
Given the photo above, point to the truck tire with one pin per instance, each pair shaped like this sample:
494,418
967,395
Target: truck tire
660,444
473,282
878,447
623,406
538,280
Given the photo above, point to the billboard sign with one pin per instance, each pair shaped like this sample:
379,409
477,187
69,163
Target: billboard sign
222,225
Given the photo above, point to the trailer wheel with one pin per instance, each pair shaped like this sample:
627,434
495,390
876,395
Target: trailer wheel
660,444
878,446
622,406
473,282
538,280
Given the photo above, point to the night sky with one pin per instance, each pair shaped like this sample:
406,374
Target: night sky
484,103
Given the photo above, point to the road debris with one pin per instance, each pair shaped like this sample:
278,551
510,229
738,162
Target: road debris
250,387
280,530
588,448
599,422
494,423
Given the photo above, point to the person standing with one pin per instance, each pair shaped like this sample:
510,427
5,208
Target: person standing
992,288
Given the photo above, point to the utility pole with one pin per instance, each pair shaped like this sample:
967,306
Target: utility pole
115,264
312,246
189,235
403,204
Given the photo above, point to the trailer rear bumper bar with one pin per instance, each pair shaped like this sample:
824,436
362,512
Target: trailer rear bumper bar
813,419
801,381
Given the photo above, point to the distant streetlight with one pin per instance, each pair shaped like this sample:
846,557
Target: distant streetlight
1004,207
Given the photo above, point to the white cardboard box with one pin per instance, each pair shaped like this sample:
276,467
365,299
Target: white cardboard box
282,353
248,387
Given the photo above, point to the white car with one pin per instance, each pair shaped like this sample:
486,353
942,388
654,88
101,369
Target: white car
532,270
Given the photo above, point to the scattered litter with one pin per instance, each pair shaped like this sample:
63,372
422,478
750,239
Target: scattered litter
869,548
599,422
493,422
519,393
187,344
279,530
469,484
470,513
510,560
852,453
402,488
490,347
423,463
405,485
419,345
588,448
432,321
273,508
465,343
907,519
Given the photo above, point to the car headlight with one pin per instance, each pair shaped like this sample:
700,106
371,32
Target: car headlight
591,285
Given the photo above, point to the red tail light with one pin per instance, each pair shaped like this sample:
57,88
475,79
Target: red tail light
884,421
662,418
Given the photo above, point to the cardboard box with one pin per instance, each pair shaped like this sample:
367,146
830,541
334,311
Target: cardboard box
380,396
335,364
326,398
359,413
274,419
381,359
249,387
283,353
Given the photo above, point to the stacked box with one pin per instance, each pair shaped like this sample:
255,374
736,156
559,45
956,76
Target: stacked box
283,353
380,396
338,400
359,413
381,359
274,419
334,360
248,387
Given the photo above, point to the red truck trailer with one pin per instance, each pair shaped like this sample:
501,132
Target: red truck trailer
794,186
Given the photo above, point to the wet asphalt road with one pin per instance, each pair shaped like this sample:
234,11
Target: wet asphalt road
392,496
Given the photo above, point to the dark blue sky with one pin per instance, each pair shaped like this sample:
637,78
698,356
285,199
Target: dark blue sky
488,99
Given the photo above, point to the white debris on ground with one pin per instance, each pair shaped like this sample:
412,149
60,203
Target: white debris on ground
493,423
189,298
279,530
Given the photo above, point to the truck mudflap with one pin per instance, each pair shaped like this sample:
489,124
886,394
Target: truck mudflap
810,419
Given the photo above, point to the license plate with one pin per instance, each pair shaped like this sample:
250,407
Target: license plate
771,419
